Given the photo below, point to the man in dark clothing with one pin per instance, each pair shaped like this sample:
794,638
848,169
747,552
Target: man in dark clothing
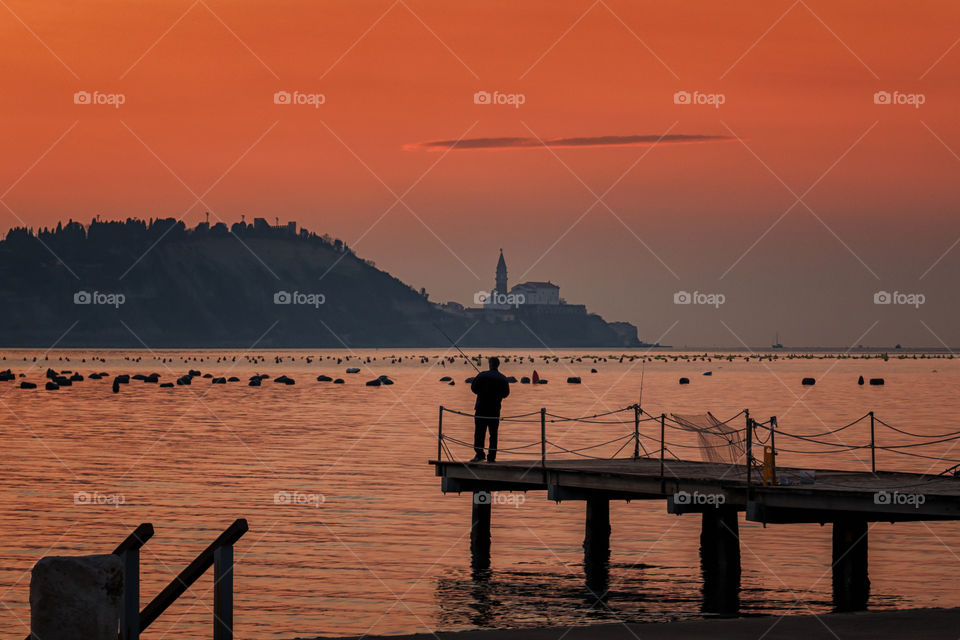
491,387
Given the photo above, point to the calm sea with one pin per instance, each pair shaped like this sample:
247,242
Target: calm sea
349,532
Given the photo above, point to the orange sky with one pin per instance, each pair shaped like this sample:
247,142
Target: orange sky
797,79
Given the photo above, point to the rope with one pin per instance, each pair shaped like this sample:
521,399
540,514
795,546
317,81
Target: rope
917,435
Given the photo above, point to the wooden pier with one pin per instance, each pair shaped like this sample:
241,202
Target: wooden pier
848,500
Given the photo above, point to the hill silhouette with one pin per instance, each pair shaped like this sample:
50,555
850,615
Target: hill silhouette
157,284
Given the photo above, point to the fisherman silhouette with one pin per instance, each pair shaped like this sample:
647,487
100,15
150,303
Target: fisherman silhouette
491,388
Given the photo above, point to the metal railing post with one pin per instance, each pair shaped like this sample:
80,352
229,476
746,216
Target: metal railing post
543,437
773,445
749,454
873,445
223,593
636,431
440,434
663,420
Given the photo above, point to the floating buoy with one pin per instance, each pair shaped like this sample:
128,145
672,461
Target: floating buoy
808,382
708,373
524,380
511,379
323,378
338,381
254,381
219,381
542,381
860,380
373,383
593,370
52,386
876,382
284,380
233,379
573,380
446,379
353,370
684,380
384,380
182,380
166,385
28,385
469,380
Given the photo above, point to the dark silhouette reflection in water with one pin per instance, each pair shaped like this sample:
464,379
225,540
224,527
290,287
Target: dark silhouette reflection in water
488,598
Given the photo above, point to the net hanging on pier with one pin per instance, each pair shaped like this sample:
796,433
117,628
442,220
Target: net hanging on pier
719,442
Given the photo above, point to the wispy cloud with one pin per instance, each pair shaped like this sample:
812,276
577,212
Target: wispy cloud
565,143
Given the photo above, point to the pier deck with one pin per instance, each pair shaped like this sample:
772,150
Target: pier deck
882,496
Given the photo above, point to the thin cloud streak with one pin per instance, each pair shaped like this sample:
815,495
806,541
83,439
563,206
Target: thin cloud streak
565,143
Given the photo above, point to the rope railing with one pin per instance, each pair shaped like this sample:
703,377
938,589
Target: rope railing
754,431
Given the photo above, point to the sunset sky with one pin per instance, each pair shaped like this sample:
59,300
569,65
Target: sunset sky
797,198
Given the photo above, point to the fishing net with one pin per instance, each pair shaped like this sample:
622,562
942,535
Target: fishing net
719,442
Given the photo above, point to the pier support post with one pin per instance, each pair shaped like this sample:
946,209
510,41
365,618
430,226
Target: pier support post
851,580
480,531
596,546
720,560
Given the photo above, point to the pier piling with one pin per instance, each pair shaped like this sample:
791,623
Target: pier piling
596,545
720,560
851,579
480,531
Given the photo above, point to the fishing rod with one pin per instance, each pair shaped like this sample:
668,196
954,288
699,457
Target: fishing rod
449,339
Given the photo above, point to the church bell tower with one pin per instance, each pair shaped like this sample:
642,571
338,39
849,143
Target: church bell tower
502,275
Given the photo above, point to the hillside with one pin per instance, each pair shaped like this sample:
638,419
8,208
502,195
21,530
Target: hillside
160,285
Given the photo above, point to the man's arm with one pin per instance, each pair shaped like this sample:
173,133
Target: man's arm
506,388
474,386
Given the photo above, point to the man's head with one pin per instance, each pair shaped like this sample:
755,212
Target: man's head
494,363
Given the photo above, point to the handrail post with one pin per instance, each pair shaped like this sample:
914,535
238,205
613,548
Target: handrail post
130,597
749,454
636,431
663,419
223,593
873,445
440,434
773,445
543,437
